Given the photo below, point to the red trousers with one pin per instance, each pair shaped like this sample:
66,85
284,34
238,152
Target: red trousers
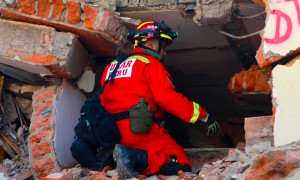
158,144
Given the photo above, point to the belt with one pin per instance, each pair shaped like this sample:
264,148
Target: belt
121,116
125,115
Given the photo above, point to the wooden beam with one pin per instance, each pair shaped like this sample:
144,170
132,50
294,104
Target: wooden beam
11,144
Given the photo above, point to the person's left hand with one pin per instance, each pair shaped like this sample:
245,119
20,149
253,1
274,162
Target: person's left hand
211,124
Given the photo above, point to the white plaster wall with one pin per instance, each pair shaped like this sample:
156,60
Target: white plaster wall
286,100
68,111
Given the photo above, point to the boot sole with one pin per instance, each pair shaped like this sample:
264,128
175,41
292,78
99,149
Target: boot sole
121,168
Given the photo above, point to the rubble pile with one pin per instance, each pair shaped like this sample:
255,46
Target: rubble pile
16,111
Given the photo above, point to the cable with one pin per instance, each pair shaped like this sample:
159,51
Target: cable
248,17
240,37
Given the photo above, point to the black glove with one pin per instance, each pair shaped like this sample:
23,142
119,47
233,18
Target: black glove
211,124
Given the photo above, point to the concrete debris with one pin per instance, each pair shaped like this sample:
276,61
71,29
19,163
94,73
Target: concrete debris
213,12
9,108
18,167
25,106
258,130
87,81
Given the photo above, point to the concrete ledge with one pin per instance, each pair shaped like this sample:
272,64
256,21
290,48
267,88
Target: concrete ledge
42,51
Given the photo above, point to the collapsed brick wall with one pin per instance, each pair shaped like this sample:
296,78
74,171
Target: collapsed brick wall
42,131
99,28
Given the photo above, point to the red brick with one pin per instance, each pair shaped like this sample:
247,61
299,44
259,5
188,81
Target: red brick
40,121
42,175
112,25
73,12
40,149
238,81
99,176
27,6
40,135
44,7
40,59
59,6
262,83
258,129
43,164
42,96
250,79
38,110
102,22
90,16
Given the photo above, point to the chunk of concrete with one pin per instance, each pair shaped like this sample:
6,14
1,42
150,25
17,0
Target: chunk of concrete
87,81
258,130
286,98
213,12
41,50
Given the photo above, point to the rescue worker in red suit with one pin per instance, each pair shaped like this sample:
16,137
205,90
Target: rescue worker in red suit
142,75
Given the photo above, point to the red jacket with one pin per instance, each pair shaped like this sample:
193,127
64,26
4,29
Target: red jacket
142,76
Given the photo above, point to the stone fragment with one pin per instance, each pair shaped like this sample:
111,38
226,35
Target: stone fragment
87,81
258,129
258,148
232,156
213,12
59,176
271,165
99,176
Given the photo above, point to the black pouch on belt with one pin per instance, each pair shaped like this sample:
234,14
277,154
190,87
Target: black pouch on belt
141,117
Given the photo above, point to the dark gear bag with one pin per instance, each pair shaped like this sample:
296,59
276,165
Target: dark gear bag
96,128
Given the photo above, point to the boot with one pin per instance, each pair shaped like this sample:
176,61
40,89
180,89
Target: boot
128,160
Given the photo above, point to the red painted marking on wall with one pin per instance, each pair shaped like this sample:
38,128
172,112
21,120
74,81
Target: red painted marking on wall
279,39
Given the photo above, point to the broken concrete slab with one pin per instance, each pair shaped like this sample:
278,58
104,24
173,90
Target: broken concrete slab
99,29
286,100
281,33
213,12
87,80
42,51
